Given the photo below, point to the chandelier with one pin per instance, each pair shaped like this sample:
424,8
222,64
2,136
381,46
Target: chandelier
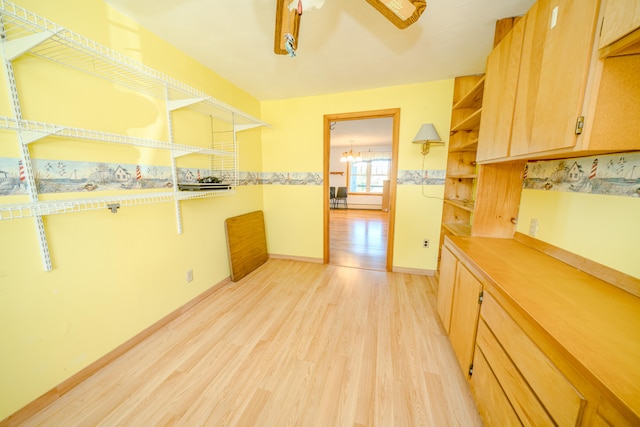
350,156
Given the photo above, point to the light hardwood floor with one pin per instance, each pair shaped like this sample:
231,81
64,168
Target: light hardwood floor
358,238
293,343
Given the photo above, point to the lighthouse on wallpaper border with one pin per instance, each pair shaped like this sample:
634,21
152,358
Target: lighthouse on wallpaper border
613,174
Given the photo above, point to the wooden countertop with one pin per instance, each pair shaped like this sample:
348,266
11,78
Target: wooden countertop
595,322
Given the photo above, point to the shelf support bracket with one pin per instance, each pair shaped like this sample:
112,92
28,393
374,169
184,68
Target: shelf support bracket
113,207
179,153
171,106
177,104
17,47
29,136
239,128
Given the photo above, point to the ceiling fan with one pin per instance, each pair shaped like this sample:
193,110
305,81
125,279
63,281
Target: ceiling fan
401,13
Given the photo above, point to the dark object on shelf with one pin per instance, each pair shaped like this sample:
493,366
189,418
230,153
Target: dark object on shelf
210,180
196,186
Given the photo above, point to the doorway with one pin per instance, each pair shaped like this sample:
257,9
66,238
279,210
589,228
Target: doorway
374,221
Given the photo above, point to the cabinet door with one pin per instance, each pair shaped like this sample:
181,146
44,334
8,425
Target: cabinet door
556,54
522,399
464,316
560,398
503,66
620,18
448,265
606,415
493,405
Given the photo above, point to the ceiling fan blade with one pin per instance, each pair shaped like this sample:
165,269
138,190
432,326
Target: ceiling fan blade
287,22
401,13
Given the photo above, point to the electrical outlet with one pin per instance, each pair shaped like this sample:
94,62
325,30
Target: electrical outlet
533,227
425,243
189,275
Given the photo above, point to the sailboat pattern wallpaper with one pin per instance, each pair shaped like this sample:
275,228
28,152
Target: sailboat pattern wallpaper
613,174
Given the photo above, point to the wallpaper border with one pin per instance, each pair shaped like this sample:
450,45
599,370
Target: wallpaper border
67,176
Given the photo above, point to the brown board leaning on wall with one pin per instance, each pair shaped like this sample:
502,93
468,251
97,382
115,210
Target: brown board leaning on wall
246,243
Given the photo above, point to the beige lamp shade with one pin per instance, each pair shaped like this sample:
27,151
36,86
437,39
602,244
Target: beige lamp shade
426,136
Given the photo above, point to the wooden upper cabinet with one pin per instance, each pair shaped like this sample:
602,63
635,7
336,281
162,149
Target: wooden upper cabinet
568,100
556,57
621,20
503,66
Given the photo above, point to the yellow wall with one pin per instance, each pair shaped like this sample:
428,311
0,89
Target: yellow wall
601,228
295,144
113,275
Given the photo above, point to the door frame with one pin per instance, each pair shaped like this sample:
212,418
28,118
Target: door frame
393,173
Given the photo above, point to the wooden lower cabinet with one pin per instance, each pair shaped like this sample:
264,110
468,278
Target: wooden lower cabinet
607,415
524,373
448,267
520,397
464,316
458,306
538,391
493,404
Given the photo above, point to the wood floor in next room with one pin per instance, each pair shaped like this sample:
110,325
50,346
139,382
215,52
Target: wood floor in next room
358,238
292,344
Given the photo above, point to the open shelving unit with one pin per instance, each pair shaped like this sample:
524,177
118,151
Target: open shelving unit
24,33
461,174
479,199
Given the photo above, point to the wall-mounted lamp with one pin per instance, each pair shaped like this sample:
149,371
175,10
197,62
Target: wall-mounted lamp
426,136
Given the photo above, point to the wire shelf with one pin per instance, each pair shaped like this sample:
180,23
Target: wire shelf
27,32
28,210
36,130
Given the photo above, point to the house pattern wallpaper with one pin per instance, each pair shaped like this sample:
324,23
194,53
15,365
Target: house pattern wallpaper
613,174
65,176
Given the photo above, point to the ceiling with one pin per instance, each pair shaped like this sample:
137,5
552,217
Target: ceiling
356,133
344,46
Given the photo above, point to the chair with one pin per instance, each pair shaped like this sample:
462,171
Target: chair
332,197
341,197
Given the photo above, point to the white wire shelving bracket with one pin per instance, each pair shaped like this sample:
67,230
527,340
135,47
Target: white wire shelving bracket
23,32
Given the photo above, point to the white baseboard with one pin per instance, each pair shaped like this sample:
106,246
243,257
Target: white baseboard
365,207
